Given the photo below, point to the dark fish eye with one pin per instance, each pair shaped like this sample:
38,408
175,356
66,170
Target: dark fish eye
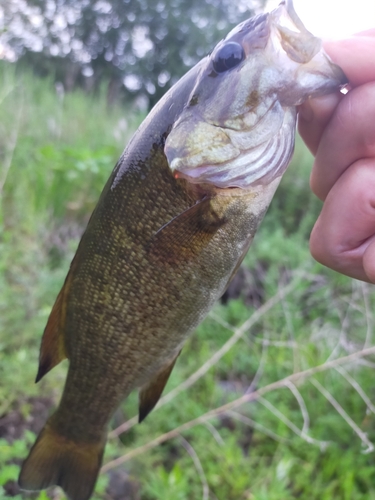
228,57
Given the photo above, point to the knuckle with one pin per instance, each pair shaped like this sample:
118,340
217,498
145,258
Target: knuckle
317,249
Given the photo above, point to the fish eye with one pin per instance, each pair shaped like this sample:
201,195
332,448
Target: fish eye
229,56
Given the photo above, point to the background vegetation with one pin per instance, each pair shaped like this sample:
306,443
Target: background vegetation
306,437
138,48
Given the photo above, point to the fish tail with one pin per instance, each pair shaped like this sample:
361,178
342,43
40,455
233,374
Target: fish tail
57,460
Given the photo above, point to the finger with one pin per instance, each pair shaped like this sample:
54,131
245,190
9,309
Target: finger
349,137
343,237
355,55
313,116
369,261
369,32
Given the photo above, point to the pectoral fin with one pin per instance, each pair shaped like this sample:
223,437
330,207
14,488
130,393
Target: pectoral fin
238,265
186,235
150,393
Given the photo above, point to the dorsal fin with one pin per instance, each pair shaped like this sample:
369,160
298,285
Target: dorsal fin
150,393
52,348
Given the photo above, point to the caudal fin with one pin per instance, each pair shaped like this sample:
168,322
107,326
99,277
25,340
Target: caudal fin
56,460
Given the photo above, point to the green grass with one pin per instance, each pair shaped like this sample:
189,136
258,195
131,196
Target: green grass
56,153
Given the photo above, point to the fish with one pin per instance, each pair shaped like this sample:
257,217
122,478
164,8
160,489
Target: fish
171,228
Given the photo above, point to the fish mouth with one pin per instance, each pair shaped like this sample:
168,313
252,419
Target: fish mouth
303,48
291,46
300,45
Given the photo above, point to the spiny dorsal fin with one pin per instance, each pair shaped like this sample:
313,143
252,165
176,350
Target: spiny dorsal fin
150,393
52,348
186,235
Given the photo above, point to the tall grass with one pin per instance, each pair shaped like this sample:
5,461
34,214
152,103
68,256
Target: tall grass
56,152
293,342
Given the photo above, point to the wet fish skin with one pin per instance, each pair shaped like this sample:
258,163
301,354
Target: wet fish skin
170,230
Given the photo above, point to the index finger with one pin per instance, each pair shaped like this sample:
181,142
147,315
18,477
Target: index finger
356,56
349,137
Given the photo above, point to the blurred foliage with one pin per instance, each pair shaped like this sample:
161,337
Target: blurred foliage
144,44
56,152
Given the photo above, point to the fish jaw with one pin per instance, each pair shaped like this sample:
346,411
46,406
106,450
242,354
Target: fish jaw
292,49
238,126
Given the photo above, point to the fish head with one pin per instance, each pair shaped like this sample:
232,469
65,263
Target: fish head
238,125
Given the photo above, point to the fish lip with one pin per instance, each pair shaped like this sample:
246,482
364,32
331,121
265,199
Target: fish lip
287,7
302,47
334,73
294,16
295,39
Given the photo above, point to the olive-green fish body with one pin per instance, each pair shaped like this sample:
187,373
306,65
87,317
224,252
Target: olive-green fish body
171,228
140,290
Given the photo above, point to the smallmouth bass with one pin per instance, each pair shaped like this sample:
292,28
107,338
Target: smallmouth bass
170,230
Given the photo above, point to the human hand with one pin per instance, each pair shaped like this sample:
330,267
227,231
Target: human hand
340,132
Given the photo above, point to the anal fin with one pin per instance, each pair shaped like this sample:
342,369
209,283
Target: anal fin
150,393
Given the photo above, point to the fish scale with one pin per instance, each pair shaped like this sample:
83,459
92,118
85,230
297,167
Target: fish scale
171,228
